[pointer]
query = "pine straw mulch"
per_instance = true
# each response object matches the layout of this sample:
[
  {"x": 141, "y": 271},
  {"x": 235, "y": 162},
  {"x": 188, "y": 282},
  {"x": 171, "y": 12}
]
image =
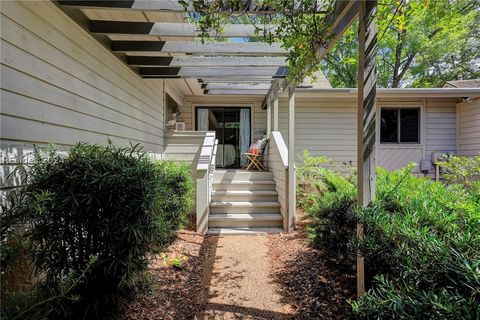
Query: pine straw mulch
[
  {"x": 307, "y": 278},
  {"x": 176, "y": 293}
]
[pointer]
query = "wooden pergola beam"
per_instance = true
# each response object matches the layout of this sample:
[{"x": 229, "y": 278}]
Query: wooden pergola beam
[
  {"x": 236, "y": 92},
  {"x": 201, "y": 72},
  {"x": 237, "y": 86},
  {"x": 188, "y": 61},
  {"x": 169, "y": 6},
  {"x": 168, "y": 29},
  {"x": 366, "y": 121},
  {"x": 195, "y": 47}
]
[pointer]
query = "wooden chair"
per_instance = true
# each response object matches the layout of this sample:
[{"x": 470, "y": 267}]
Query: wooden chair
[{"x": 255, "y": 160}]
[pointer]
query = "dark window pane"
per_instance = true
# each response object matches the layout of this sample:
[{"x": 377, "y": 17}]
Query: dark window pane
[
  {"x": 388, "y": 125},
  {"x": 409, "y": 125}
]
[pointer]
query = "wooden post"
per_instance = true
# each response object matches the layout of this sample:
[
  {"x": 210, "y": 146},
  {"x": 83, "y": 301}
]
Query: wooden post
[
  {"x": 291, "y": 158},
  {"x": 275, "y": 113},
  {"x": 269, "y": 116},
  {"x": 367, "y": 77}
]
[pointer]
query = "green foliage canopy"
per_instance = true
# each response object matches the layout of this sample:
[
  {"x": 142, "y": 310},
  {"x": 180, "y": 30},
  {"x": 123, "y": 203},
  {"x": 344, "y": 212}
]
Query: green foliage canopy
[
  {"x": 421, "y": 43},
  {"x": 301, "y": 26}
]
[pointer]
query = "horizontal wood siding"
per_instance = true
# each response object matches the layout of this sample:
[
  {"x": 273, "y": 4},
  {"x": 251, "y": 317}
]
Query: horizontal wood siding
[
  {"x": 327, "y": 127},
  {"x": 323, "y": 127},
  {"x": 441, "y": 133},
  {"x": 468, "y": 119},
  {"x": 59, "y": 85}
]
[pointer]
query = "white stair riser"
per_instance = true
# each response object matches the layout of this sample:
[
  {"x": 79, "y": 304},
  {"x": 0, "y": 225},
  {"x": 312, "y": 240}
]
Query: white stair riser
[
  {"x": 244, "y": 231},
  {"x": 182, "y": 148},
  {"x": 241, "y": 176},
  {"x": 179, "y": 156},
  {"x": 251, "y": 210},
  {"x": 231, "y": 223},
  {"x": 182, "y": 140},
  {"x": 243, "y": 187},
  {"x": 229, "y": 198}
]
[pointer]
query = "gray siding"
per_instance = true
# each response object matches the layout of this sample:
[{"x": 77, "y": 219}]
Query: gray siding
[
  {"x": 327, "y": 127},
  {"x": 59, "y": 85},
  {"x": 468, "y": 120}
]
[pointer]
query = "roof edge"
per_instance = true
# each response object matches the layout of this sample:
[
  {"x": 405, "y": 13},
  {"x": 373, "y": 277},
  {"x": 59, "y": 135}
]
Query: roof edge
[{"x": 393, "y": 92}]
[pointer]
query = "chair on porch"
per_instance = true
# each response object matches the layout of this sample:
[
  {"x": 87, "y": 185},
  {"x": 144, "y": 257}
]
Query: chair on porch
[{"x": 254, "y": 155}]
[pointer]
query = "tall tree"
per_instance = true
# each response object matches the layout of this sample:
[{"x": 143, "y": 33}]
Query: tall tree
[{"x": 421, "y": 44}]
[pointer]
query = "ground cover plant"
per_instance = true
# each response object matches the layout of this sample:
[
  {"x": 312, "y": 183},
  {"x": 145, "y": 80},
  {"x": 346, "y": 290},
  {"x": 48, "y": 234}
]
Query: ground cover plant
[
  {"x": 421, "y": 244},
  {"x": 91, "y": 219}
]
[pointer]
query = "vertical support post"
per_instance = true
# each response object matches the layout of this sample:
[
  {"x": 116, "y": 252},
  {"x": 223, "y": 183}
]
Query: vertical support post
[
  {"x": 275, "y": 113},
  {"x": 291, "y": 158},
  {"x": 203, "y": 204},
  {"x": 367, "y": 77},
  {"x": 269, "y": 116}
]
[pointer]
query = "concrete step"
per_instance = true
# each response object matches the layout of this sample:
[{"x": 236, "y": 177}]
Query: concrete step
[
  {"x": 244, "y": 207},
  {"x": 189, "y": 157},
  {"x": 244, "y": 195},
  {"x": 185, "y": 140},
  {"x": 240, "y": 175},
  {"x": 257, "y": 185},
  {"x": 182, "y": 148},
  {"x": 239, "y": 220},
  {"x": 243, "y": 231}
]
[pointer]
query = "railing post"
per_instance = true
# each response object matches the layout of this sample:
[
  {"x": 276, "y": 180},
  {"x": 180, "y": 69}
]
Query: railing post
[
  {"x": 269, "y": 117},
  {"x": 204, "y": 176},
  {"x": 202, "y": 200},
  {"x": 291, "y": 158},
  {"x": 275, "y": 114}
]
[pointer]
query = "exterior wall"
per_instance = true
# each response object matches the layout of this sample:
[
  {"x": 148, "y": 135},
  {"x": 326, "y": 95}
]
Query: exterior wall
[
  {"x": 259, "y": 116},
  {"x": 468, "y": 124},
  {"x": 328, "y": 127},
  {"x": 59, "y": 85}
]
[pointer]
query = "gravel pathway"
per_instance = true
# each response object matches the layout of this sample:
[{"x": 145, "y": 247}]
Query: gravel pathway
[{"x": 240, "y": 286}]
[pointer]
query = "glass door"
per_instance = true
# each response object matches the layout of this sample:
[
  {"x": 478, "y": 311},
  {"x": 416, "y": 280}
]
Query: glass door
[{"x": 232, "y": 129}]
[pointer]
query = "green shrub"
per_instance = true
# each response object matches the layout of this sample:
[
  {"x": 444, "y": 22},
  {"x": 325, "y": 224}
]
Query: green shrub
[
  {"x": 422, "y": 245},
  {"x": 421, "y": 242},
  {"x": 174, "y": 197},
  {"x": 463, "y": 171},
  {"x": 333, "y": 215},
  {"x": 108, "y": 205},
  {"x": 310, "y": 175}
]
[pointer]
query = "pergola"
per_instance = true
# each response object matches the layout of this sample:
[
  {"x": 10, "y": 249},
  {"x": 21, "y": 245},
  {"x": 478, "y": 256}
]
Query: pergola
[{"x": 169, "y": 50}]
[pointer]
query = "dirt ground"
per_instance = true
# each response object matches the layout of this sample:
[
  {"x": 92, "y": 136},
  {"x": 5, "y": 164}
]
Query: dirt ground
[{"x": 274, "y": 276}]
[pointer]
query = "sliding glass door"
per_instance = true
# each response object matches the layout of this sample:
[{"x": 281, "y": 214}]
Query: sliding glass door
[{"x": 232, "y": 128}]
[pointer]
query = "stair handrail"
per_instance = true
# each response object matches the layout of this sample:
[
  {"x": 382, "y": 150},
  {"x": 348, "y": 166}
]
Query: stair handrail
[{"x": 205, "y": 169}]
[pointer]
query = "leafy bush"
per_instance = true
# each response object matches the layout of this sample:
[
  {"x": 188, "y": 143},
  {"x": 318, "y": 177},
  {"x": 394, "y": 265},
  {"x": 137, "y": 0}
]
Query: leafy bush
[
  {"x": 422, "y": 246},
  {"x": 421, "y": 243},
  {"x": 174, "y": 197},
  {"x": 108, "y": 205},
  {"x": 310, "y": 176},
  {"x": 464, "y": 171},
  {"x": 333, "y": 214}
]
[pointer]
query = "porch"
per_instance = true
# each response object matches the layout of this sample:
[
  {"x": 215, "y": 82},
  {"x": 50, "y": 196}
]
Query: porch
[{"x": 234, "y": 201}]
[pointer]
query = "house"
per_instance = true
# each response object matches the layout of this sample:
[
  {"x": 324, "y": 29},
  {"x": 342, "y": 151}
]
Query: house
[{"x": 62, "y": 84}]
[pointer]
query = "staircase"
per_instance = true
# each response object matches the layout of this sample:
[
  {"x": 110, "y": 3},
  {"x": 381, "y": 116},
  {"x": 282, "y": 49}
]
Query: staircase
[{"x": 244, "y": 203}]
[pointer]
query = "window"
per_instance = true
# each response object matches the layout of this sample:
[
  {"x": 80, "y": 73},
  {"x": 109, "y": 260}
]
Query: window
[{"x": 400, "y": 125}]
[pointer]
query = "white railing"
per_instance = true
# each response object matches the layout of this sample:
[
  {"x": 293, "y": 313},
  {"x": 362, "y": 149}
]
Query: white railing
[
  {"x": 277, "y": 159},
  {"x": 204, "y": 178}
]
